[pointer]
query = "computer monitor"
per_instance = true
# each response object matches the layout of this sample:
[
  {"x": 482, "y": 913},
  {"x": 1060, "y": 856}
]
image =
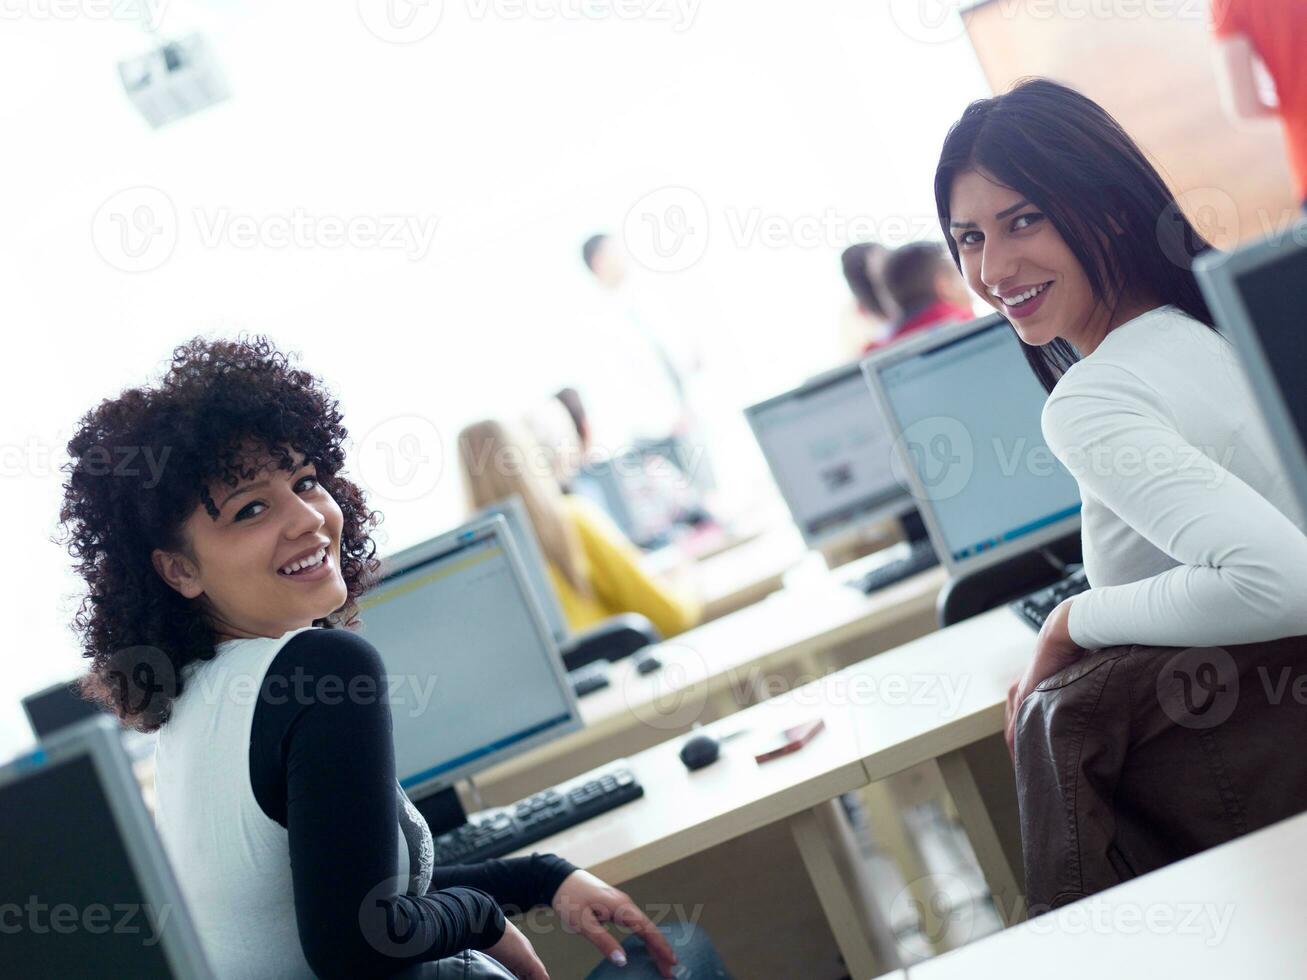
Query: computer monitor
[
  {"x": 56, "y": 707},
  {"x": 645, "y": 493},
  {"x": 475, "y": 675},
  {"x": 964, "y": 408},
  {"x": 513, "y": 510},
  {"x": 1257, "y": 295},
  {"x": 830, "y": 452},
  {"x": 85, "y": 887}
]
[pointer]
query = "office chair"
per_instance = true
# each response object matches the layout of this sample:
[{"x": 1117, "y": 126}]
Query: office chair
[{"x": 613, "y": 639}]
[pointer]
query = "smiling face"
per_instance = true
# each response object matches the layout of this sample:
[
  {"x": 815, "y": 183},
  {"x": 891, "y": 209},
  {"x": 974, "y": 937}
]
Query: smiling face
[
  {"x": 270, "y": 561},
  {"x": 1013, "y": 258}
]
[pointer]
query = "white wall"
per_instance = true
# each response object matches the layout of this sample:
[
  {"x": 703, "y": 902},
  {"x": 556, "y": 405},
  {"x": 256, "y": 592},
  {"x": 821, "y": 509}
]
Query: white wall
[{"x": 519, "y": 135}]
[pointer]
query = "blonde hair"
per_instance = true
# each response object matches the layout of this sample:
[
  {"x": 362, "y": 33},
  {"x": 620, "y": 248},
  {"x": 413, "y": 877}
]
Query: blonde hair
[{"x": 499, "y": 460}]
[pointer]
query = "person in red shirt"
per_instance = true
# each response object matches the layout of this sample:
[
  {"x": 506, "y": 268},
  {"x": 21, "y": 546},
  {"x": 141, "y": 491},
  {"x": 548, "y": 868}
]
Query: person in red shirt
[
  {"x": 1273, "y": 32},
  {"x": 925, "y": 289}
]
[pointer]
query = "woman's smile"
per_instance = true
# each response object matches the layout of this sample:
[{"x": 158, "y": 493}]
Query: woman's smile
[
  {"x": 1024, "y": 301},
  {"x": 309, "y": 566}
]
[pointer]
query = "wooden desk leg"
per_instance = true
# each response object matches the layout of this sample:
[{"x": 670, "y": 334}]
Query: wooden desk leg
[
  {"x": 981, "y": 781},
  {"x": 893, "y": 834},
  {"x": 830, "y": 854}
]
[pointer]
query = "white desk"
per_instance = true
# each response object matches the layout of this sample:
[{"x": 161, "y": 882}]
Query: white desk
[
  {"x": 736, "y": 578},
  {"x": 1234, "y": 911},
  {"x": 931, "y": 699},
  {"x": 720, "y": 667}
]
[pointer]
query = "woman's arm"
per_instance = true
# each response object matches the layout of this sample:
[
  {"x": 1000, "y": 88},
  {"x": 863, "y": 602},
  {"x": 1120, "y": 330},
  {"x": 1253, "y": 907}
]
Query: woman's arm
[
  {"x": 516, "y": 884},
  {"x": 322, "y": 765},
  {"x": 1242, "y": 573}
]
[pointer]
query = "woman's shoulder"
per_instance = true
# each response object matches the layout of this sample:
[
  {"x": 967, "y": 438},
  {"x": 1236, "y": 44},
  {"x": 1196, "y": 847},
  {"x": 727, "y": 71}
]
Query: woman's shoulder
[
  {"x": 586, "y": 514},
  {"x": 321, "y": 651},
  {"x": 1160, "y": 365},
  {"x": 1146, "y": 356}
]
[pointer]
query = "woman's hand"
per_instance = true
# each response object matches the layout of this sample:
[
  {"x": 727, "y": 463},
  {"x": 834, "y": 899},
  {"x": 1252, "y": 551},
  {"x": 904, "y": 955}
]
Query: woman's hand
[
  {"x": 516, "y": 954},
  {"x": 584, "y": 904},
  {"x": 1054, "y": 651}
]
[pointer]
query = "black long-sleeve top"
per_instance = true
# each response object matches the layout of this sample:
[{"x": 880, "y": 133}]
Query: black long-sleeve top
[{"x": 322, "y": 766}]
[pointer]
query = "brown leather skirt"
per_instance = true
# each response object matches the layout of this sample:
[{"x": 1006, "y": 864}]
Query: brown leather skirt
[{"x": 1140, "y": 756}]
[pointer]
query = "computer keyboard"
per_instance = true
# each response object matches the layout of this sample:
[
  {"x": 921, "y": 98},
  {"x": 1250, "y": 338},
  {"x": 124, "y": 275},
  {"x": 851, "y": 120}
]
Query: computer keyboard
[
  {"x": 590, "y": 678},
  {"x": 1034, "y": 608},
  {"x": 497, "y": 832},
  {"x": 921, "y": 557}
]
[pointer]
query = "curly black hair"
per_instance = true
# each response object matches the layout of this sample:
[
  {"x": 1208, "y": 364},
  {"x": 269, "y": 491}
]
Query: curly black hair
[{"x": 139, "y": 466}]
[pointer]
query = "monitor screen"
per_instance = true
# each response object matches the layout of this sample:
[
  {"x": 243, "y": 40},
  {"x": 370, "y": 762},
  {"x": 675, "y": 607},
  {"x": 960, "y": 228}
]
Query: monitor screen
[
  {"x": 71, "y": 904},
  {"x": 830, "y": 452},
  {"x": 644, "y": 493},
  {"x": 57, "y": 707},
  {"x": 968, "y": 408},
  {"x": 474, "y": 676},
  {"x": 533, "y": 561},
  {"x": 1273, "y": 292}
]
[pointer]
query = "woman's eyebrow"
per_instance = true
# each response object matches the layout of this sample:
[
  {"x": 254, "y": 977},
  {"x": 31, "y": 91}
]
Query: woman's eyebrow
[
  {"x": 1012, "y": 210},
  {"x": 249, "y": 488},
  {"x": 998, "y": 217},
  {"x": 260, "y": 484}
]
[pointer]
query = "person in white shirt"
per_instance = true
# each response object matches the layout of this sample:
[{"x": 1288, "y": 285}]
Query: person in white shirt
[{"x": 1191, "y": 537}]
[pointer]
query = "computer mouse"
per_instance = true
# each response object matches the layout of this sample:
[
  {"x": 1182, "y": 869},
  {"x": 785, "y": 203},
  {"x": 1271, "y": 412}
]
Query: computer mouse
[
  {"x": 700, "y": 751},
  {"x": 647, "y": 663}
]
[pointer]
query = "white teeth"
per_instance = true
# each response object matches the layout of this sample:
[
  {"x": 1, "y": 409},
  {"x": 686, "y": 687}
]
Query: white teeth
[
  {"x": 308, "y": 562},
  {"x": 1028, "y": 295}
]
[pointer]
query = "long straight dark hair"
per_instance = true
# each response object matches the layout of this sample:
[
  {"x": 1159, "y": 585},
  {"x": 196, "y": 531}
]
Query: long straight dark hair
[{"x": 1066, "y": 156}]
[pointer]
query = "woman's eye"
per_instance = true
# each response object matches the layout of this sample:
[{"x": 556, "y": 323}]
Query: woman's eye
[
  {"x": 248, "y": 510},
  {"x": 1026, "y": 220},
  {"x": 970, "y": 238},
  {"x": 303, "y": 485}
]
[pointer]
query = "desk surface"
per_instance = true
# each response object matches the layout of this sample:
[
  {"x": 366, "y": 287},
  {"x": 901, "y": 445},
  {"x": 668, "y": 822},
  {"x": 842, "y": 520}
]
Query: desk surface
[
  {"x": 1233, "y": 911},
  {"x": 933, "y": 695},
  {"x": 740, "y": 576},
  {"x": 736, "y": 650}
]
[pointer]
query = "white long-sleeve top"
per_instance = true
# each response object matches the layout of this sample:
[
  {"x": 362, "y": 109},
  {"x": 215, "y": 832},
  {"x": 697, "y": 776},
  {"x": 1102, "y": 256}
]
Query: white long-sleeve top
[{"x": 1191, "y": 535}]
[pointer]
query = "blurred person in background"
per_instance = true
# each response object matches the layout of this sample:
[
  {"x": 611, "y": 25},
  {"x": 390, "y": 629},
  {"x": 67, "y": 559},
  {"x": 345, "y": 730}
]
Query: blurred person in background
[
  {"x": 642, "y": 391},
  {"x": 921, "y": 281},
  {"x": 1269, "y": 36},
  {"x": 867, "y": 322},
  {"x": 570, "y": 399},
  {"x": 594, "y": 568}
]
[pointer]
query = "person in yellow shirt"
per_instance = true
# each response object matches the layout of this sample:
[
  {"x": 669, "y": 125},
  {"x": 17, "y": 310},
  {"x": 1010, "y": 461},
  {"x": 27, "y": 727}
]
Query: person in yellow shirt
[{"x": 594, "y": 569}]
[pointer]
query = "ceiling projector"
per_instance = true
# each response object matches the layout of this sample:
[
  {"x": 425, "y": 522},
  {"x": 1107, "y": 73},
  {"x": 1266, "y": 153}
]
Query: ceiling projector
[{"x": 175, "y": 79}]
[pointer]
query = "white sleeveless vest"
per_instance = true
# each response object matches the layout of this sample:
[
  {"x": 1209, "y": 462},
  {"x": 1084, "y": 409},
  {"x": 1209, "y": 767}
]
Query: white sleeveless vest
[{"x": 231, "y": 860}]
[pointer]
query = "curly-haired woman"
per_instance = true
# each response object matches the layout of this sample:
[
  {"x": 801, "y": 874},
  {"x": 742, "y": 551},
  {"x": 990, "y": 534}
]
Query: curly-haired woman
[{"x": 216, "y": 582}]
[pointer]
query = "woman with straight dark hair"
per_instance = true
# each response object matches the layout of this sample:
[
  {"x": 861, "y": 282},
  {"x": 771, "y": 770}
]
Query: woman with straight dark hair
[{"x": 1191, "y": 537}]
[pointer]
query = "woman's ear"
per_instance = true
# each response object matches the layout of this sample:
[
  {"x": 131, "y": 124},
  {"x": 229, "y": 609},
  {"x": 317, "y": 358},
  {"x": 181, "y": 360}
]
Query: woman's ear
[{"x": 178, "y": 571}]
